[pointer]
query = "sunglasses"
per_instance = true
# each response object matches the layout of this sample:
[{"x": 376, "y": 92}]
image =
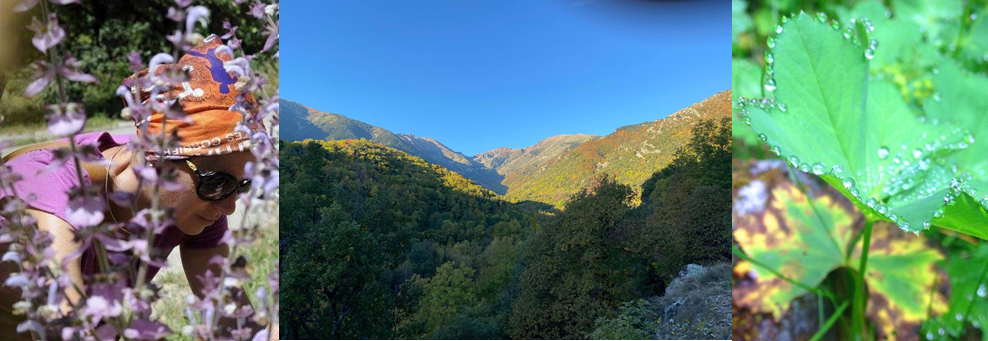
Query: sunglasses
[{"x": 216, "y": 186}]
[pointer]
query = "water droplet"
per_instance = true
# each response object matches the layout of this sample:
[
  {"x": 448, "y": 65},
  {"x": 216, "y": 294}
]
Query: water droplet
[
  {"x": 770, "y": 42},
  {"x": 926, "y": 225},
  {"x": 936, "y": 96},
  {"x": 936, "y": 71},
  {"x": 854, "y": 193},
  {"x": 763, "y": 137},
  {"x": 837, "y": 171},
  {"x": 747, "y": 120},
  {"x": 847, "y": 182},
  {"x": 769, "y": 58},
  {"x": 929, "y": 335},
  {"x": 883, "y": 153},
  {"x": 970, "y": 138},
  {"x": 818, "y": 169},
  {"x": 778, "y": 29},
  {"x": 770, "y": 85},
  {"x": 984, "y": 203},
  {"x": 869, "y": 53},
  {"x": 948, "y": 199},
  {"x": 940, "y": 331},
  {"x": 794, "y": 160},
  {"x": 804, "y": 167},
  {"x": 847, "y": 33},
  {"x": 783, "y": 108},
  {"x": 835, "y": 25},
  {"x": 974, "y": 16},
  {"x": 873, "y": 44},
  {"x": 959, "y": 317},
  {"x": 871, "y": 202},
  {"x": 917, "y": 153},
  {"x": 896, "y": 160},
  {"x": 882, "y": 209},
  {"x": 775, "y": 149},
  {"x": 982, "y": 291},
  {"x": 888, "y": 13},
  {"x": 822, "y": 17},
  {"x": 938, "y": 213},
  {"x": 785, "y": 19}
]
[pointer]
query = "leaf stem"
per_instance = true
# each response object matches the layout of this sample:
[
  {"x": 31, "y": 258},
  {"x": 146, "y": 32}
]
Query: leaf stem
[
  {"x": 830, "y": 322},
  {"x": 859, "y": 291}
]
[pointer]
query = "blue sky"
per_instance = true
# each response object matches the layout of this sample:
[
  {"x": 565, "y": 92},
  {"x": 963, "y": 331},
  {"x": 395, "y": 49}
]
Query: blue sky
[{"x": 477, "y": 75}]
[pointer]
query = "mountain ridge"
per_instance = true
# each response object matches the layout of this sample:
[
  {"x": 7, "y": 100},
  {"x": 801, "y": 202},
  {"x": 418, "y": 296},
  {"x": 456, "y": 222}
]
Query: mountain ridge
[{"x": 550, "y": 170}]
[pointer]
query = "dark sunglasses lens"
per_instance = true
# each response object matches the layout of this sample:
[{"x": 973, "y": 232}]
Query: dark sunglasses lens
[
  {"x": 217, "y": 186},
  {"x": 244, "y": 186}
]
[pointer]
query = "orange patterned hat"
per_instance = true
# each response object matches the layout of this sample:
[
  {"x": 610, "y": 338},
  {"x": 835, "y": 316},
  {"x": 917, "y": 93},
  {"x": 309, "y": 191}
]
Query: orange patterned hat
[{"x": 206, "y": 98}]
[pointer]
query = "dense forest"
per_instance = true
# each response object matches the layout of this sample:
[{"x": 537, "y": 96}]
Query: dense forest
[{"x": 376, "y": 243}]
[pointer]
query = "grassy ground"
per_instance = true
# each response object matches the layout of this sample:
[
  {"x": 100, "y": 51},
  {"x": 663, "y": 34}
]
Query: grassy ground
[{"x": 261, "y": 255}]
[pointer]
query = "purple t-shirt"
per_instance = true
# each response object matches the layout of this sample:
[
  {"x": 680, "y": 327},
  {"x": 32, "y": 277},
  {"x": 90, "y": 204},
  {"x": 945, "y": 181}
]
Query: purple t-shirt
[{"x": 51, "y": 190}]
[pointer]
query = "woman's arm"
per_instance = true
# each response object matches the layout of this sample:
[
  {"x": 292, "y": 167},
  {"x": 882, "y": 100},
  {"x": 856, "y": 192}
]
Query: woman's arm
[
  {"x": 64, "y": 244},
  {"x": 196, "y": 263}
]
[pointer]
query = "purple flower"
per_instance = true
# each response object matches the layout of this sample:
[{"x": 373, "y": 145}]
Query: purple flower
[
  {"x": 146, "y": 330},
  {"x": 134, "y": 59},
  {"x": 17, "y": 280},
  {"x": 98, "y": 308},
  {"x": 70, "y": 71},
  {"x": 194, "y": 15},
  {"x": 272, "y": 33},
  {"x": 43, "y": 75},
  {"x": 65, "y": 120},
  {"x": 25, "y": 5},
  {"x": 183, "y": 3},
  {"x": 64, "y": 2},
  {"x": 230, "y": 30},
  {"x": 84, "y": 209},
  {"x": 46, "y": 35},
  {"x": 233, "y": 43},
  {"x": 257, "y": 9}
]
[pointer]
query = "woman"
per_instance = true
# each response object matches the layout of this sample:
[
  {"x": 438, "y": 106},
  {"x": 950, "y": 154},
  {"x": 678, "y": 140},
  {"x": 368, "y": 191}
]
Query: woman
[{"x": 209, "y": 160}]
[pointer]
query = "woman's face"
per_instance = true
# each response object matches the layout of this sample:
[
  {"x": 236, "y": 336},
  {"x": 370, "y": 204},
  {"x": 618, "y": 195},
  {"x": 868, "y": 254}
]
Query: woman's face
[{"x": 193, "y": 214}]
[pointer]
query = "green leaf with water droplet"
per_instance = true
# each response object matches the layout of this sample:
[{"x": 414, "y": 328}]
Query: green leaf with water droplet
[
  {"x": 806, "y": 238},
  {"x": 974, "y": 47},
  {"x": 897, "y": 38},
  {"x": 963, "y": 101},
  {"x": 745, "y": 82},
  {"x": 838, "y": 117},
  {"x": 968, "y": 294}
]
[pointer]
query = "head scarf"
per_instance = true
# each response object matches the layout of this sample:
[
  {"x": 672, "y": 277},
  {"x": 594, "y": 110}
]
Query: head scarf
[{"x": 206, "y": 98}]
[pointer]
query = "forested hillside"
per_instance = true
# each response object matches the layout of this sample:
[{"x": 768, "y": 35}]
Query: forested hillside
[
  {"x": 300, "y": 123},
  {"x": 376, "y": 243},
  {"x": 630, "y": 155}
]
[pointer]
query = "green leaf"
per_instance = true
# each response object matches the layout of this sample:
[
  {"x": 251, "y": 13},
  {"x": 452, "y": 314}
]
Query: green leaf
[
  {"x": 896, "y": 37},
  {"x": 975, "y": 45},
  {"x": 746, "y": 81},
  {"x": 806, "y": 238},
  {"x": 968, "y": 289},
  {"x": 937, "y": 17},
  {"x": 962, "y": 100},
  {"x": 858, "y": 135}
]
